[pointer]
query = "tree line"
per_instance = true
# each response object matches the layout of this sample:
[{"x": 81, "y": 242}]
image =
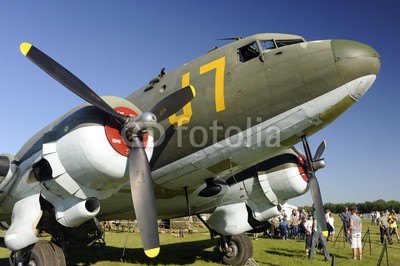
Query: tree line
[{"x": 364, "y": 207}]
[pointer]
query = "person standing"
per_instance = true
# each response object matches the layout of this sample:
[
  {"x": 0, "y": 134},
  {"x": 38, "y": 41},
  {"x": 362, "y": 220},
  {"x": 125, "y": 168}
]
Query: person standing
[
  {"x": 331, "y": 226},
  {"x": 392, "y": 219},
  {"x": 308, "y": 228},
  {"x": 373, "y": 218},
  {"x": 327, "y": 212},
  {"x": 377, "y": 217},
  {"x": 318, "y": 238},
  {"x": 355, "y": 233},
  {"x": 346, "y": 222},
  {"x": 294, "y": 222},
  {"x": 384, "y": 228},
  {"x": 284, "y": 228}
]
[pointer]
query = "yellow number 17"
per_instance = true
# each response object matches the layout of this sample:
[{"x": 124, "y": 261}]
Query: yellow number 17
[{"x": 219, "y": 66}]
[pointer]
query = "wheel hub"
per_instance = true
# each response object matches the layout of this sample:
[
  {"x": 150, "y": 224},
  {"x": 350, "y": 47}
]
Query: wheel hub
[{"x": 232, "y": 250}]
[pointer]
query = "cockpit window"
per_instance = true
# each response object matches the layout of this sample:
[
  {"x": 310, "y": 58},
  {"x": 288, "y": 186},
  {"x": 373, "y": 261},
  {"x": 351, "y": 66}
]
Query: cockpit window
[
  {"x": 248, "y": 52},
  {"x": 267, "y": 44},
  {"x": 281, "y": 43}
]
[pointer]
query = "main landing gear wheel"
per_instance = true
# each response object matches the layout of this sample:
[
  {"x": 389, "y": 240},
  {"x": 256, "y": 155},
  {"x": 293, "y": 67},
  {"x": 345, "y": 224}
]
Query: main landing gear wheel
[
  {"x": 46, "y": 253},
  {"x": 236, "y": 250}
]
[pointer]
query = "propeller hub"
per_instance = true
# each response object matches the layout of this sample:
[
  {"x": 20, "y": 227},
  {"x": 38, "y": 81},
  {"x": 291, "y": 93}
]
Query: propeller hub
[
  {"x": 117, "y": 137},
  {"x": 319, "y": 164},
  {"x": 144, "y": 121}
]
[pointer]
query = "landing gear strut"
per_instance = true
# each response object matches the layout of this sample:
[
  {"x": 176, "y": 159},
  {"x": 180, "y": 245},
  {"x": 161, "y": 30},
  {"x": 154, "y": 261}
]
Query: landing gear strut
[{"x": 236, "y": 250}]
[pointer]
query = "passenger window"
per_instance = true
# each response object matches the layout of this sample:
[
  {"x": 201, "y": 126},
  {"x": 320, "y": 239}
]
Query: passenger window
[
  {"x": 268, "y": 44},
  {"x": 248, "y": 52}
]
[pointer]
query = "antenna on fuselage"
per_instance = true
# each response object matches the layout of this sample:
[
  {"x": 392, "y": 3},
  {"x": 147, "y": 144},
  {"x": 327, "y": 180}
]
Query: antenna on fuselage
[
  {"x": 230, "y": 39},
  {"x": 225, "y": 39}
]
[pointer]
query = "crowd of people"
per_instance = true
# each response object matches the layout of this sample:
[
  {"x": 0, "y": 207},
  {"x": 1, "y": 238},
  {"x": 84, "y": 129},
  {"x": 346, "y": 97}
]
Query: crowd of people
[
  {"x": 296, "y": 225},
  {"x": 305, "y": 225}
]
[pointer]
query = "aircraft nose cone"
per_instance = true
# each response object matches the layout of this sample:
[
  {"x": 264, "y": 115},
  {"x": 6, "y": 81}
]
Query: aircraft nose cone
[
  {"x": 357, "y": 63},
  {"x": 346, "y": 49}
]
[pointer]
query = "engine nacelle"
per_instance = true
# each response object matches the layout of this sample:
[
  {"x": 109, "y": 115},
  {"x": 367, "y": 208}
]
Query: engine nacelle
[
  {"x": 275, "y": 185},
  {"x": 262, "y": 190},
  {"x": 74, "y": 212},
  {"x": 230, "y": 219},
  {"x": 86, "y": 153}
]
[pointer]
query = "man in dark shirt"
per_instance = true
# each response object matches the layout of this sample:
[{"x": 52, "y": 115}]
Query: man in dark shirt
[{"x": 346, "y": 222}]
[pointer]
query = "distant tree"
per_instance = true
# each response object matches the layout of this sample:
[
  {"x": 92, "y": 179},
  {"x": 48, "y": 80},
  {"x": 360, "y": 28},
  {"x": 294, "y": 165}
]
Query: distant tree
[
  {"x": 393, "y": 205},
  {"x": 361, "y": 207},
  {"x": 369, "y": 206},
  {"x": 380, "y": 205},
  {"x": 364, "y": 207}
]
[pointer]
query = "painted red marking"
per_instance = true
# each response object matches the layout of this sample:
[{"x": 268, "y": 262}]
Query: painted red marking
[
  {"x": 301, "y": 169},
  {"x": 113, "y": 132}
]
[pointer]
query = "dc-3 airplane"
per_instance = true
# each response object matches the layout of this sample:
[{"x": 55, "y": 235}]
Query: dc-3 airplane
[{"x": 214, "y": 136}]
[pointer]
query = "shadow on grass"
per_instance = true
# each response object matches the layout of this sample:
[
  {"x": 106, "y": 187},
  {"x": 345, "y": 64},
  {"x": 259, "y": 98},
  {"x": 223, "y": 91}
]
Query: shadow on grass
[
  {"x": 287, "y": 252},
  {"x": 177, "y": 254},
  {"x": 3, "y": 261}
]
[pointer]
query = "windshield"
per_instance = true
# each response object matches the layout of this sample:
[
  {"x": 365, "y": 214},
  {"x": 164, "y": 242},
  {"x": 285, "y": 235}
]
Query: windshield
[
  {"x": 271, "y": 44},
  {"x": 281, "y": 43},
  {"x": 267, "y": 44}
]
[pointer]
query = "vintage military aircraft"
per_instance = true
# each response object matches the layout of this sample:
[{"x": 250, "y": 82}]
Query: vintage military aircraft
[{"x": 213, "y": 136}]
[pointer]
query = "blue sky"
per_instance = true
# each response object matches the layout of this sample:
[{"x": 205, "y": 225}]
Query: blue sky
[{"x": 116, "y": 47}]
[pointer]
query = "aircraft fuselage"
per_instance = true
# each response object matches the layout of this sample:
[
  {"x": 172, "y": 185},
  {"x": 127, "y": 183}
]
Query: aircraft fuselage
[{"x": 254, "y": 98}]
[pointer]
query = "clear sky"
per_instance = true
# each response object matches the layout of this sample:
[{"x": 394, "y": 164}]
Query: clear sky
[{"x": 116, "y": 47}]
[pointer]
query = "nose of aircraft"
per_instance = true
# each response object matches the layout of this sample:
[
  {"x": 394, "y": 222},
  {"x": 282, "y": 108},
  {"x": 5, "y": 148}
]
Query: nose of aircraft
[
  {"x": 356, "y": 61},
  {"x": 345, "y": 49}
]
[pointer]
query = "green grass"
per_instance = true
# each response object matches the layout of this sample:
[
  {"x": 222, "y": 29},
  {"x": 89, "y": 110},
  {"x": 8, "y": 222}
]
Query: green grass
[{"x": 198, "y": 249}]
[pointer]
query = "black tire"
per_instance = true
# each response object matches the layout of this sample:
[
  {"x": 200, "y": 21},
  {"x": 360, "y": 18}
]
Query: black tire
[
  {"x": 46, "y": 253},
  {"x": 241, "y": 249}
]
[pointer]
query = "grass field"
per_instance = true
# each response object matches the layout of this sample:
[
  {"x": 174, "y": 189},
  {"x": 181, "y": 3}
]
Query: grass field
[{"x": 198, "y": 249}]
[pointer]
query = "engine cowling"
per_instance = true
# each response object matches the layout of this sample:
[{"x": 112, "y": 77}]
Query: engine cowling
[
  {"x": 87, "y": 160},
  {"x": 261, "y": 191},
  {"x": 280, "y": 179}
]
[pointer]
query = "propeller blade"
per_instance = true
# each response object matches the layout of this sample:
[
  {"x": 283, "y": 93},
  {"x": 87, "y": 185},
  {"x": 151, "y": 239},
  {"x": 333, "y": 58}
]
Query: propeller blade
[
  {"x": 318, "y": 204},
  {"x": 161, "y": 144},
  {"x": 173, "y": 103},
  {"x": 143, "y": 198},
  {"x": 320, "y": 151},
  {"x": 314, "y": 186},
  {"x": 66, "y": 78}
]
